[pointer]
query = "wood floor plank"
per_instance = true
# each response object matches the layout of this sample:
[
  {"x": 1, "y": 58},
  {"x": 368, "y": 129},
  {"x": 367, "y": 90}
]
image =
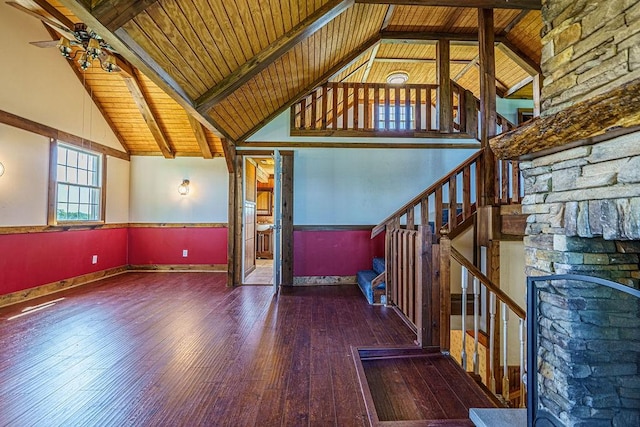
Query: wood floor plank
[{"x": 183, "y": 349}]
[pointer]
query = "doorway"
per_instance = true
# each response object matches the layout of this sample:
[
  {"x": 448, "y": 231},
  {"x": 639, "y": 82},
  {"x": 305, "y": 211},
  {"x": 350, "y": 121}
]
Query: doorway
[
  {"x": 259, "y": 220},
  {"x": 243, "y": 222}
]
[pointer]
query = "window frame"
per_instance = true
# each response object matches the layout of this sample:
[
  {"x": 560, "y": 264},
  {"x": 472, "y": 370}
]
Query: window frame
[
  {"x": 404, "y": 125},
  {"x": 52, "y": 217}
]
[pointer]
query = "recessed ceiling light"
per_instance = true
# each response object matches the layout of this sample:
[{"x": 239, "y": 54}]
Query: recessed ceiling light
[{"x": 397, "y": 78}]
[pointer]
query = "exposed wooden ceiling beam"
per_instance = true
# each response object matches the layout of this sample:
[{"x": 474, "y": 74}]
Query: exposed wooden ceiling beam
[
  {"x": 372, "y": 58},
  {"x": 466, "y": 69},
  {"x": 55, "y": 13},
  {"x": 426, "y": 36},
  {"x": 385, "y": 23},
  {"x": 345, "y": 62},
  {"x": 274, "y": 51},
  {"x": 198, "y": 131},
  {"x": 387, "y": 17},
  {"x": 394, "y": 145},
  {"x": 96, "y": 102},
  {"x": 141, "y": 60},
  {"x": 229, "y": 155},
  {"x": 515, "y": 21},
  {"x": 517, "y": 56},
  {"x": 115, "y": 13},
  {"x": 516, "y": 87},
  {"x": 133, "y": 84},
  {"x": 421, "y": 60},
  {"x": 486, "y": 4}
]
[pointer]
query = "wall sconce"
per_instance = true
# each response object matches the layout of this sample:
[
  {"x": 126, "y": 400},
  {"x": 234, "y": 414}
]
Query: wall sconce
[
  {"x": 1, "y": 169},
  {"x": 183, "y": 188}
]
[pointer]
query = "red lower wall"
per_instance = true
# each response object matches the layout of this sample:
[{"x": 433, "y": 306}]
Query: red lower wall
[
  {"x": 334, "y": 252},
  {"x": 30, "y": 260},
  {"x": 35, "y": 259},
  {"x": 164, "y": 245}
]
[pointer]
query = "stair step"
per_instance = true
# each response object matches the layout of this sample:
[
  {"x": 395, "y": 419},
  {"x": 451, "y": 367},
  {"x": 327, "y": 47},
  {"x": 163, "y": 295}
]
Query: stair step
[
  {"x": 364, "y": 278},
  {"x": 378, "y": 265}
]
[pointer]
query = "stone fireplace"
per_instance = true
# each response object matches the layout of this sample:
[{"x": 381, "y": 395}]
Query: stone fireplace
[
  {"x": 584, "y": 218},
  {"x": 582, "y": 195}
]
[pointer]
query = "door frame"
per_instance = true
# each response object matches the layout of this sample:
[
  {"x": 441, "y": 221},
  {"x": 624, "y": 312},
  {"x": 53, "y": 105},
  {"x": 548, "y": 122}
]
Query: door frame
[{"x": 236, "y": 203}]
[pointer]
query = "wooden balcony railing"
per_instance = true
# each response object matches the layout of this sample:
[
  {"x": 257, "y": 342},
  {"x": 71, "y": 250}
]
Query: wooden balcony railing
[{"x": 351, "y": 109}]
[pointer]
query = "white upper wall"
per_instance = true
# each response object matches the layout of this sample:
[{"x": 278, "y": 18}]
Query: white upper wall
[
  {"x": 38, "y": 84},
  {"x": 154, "y": 190},
  {"x": 363, "y": 186}
]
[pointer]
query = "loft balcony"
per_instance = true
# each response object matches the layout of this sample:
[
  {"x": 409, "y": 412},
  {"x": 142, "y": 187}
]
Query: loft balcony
[{"x": 384, "y": 110}]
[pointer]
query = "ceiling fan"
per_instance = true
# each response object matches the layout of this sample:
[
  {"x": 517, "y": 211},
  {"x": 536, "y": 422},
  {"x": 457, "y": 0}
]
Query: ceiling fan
[{"x": 89, "y": 46}]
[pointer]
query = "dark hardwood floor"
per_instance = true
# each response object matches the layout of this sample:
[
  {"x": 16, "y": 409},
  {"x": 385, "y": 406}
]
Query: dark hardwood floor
[
  {"x": 168, "y": 349},
  {"x": 181, "y": 349}
]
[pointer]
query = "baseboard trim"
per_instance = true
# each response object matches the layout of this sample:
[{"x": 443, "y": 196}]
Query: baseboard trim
[
  {"x": 179, "y": 267},
  {"x": 61, "y": 285},
  {"x": 323, "y": 280}
]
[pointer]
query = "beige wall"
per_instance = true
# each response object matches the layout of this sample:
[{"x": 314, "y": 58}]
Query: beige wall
[
  {"x": 154, "y": 190},
  {"x": 39, "y": 85}
]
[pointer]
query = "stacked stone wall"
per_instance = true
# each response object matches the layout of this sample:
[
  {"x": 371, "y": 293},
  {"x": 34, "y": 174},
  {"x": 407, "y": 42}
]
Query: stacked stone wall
[{"x": 588, "y": 48}]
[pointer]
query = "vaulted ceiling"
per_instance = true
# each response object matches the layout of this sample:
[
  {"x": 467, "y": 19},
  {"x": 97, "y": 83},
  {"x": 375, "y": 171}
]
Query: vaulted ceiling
[{"x": 200, "y": 75}]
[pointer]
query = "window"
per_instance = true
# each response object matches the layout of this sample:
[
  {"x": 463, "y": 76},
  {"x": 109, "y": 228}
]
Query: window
[
  {"x": 78, "y": 185},
  {"x": 392, "y": 117}
]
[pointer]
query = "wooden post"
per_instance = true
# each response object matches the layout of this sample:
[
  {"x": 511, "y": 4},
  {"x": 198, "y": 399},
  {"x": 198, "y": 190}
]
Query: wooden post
[
  {"x": 287, "y": 220},
  {"x": 444, "y": 107},
  {"x": 471, "y": 114},
  {"x": 493, "y": 269},
  {"x": 486, "y": 39},
  {"x": 445, "y": 291},
  {"x": 237, "y": 216},
  {"x": 424, "y": 267},
  {"x": 537, "y": 91}
]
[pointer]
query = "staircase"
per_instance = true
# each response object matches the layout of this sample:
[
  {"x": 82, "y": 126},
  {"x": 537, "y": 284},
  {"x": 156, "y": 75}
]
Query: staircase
[{"x": 371, "y": 282}]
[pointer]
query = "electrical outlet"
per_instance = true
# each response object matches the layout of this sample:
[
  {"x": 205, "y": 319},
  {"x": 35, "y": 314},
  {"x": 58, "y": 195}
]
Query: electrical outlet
[
  {"x": 94, "y": 259},
  {"x": 185, "y": 253}
]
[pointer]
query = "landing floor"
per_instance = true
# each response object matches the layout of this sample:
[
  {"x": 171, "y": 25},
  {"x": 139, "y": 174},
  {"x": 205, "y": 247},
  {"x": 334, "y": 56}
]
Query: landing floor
[{"x": 172, "y": 349}]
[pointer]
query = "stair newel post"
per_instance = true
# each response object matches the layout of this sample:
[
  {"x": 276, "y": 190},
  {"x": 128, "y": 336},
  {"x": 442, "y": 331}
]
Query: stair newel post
[
  {"x": 505, "y": 351},
  {"x": 492, "y": 340},
  {"x": 445, "y": 290},
  {"x": 463, "y": 283},
  {"x": 423, "y": 274},
  {"x": 388, "y": 262},
  {"x": 476, "y": 324}
]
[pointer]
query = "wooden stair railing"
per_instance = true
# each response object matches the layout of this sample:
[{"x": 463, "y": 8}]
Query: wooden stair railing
[
  {"x": 499, "y": 342},
  {"x": 438, "y": 204}
]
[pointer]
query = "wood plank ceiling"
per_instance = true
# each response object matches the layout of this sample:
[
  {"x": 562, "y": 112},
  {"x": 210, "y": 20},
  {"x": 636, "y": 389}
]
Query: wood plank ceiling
[{"x": 235, "y": 65}]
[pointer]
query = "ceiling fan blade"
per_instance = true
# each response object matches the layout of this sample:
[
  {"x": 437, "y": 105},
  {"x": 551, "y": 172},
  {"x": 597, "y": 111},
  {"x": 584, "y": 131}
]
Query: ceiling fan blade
[
  {"x": 65, "y": 32},
  {"x": 46, "y": 43}
]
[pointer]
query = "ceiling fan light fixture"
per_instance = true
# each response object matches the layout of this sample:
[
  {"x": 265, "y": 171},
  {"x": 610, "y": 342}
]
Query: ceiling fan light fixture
[
  {"x": 398, "y": 78},
  {"x": 109, "y": 64},
  {"x": 93, "y": 48},
  {"x": 84, "y": 62},
  {"x": 64, "y": 47}
]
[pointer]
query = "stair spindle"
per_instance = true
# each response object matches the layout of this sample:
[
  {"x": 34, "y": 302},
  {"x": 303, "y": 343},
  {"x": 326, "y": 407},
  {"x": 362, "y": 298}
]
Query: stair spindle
[
  {"x": 505, "y": 353},
  {"x": 492, "y": 340},
  {"x": 476, "y": 326},
  {"x": 463, "y": 353}
]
